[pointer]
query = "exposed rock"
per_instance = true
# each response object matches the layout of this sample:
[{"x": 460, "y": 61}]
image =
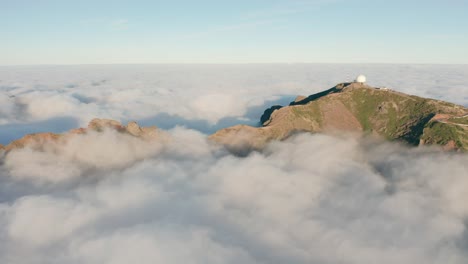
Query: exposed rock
[
  {"x": 144, "y": 132},
  {"x": 241, "y": 139},
  {"x": 40, "y": 140},
  {"x": 100, "y": 124},
  {"x": 78, "y": 131},
  {"x": 451, "y": 145},
  {"x": 267, "y": 114},
  {"x": 150, "y": 132},
  {"x": 35, "y": 141},
  {"x": 134, "y": 129}
]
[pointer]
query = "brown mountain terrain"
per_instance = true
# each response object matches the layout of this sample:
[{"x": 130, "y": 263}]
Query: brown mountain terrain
[
  {"x": 357, "y": 108},
  {"x": 40, "y": 140},
  {"x": 345, "y": 108}
]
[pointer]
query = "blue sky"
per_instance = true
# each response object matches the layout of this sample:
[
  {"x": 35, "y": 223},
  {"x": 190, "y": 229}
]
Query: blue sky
[{"x": 255, "y": 31}]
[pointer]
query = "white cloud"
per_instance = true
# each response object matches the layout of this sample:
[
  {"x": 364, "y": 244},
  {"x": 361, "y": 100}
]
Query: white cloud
[
  {"x": 38, "y": 220},
  {"x": 8, "y": 109},
  {"x": 202, "y": 93},
  {"x": 78, "y": 154},
  {"x": 112, "y": 198},
  {"x": 48, "y": 104},
  {"x": 217, "y": 106},
  {"x": 313, "y": 198}
]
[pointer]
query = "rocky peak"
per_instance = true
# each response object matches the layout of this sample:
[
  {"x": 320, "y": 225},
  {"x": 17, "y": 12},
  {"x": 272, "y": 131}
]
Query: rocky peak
[
  {"x": 40, "y": 140},
  {"x": 360, "y": 108},
  {"x": 134, "y": 129},
  {"x": 98, "y": 124}
]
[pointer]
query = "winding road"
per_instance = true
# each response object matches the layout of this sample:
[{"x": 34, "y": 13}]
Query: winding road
[{"x": 444, "y": 120}]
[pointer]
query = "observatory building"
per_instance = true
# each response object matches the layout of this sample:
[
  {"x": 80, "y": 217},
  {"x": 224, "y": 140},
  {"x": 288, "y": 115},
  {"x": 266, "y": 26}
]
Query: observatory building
[{"x": 360, "y": 79}]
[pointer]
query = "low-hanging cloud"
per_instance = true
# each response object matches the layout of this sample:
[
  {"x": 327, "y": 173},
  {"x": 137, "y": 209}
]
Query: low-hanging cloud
[
  {"x": 78, "y": 154},
  {"x": 182, "y": 199}
]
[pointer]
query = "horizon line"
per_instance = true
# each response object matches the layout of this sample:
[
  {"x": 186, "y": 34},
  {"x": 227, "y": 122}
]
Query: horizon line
[{"x": 227, "y": 63}]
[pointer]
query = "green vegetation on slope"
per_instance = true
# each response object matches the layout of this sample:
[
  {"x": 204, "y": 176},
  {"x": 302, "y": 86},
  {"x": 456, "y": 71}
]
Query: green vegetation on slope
[
  {"x": 442, "y": 133},
  {"x": 391, "y": 114},
  {"x": 366, "y": 107},
  {"x": 462, "y": 121},
  {"x": 310, "y": 111}
]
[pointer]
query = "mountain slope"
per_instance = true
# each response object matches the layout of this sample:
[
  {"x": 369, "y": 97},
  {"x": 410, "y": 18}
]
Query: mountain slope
[
  {"x": 40, "y": 141},
  {"x": 345, "y": 108},
  {"x": 355, "y": 107}
]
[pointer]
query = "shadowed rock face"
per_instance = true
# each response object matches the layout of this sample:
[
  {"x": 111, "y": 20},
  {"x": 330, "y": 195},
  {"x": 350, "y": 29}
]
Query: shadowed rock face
[
  {"x": 41, "y": 140},
  {"x": 358, "y": 108},
  {"x": 267, "y": 113}
]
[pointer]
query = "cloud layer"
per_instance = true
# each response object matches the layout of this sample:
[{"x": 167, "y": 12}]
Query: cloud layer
[
  {"x": 203, "y": 97},
  {"x": 111, "y": 198},
  {"x": 311, "y": 199}
]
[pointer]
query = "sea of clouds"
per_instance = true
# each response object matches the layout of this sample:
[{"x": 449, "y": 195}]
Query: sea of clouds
[
  {"x": 113, "y": 198},
  {"x": 202, "y": 97}
]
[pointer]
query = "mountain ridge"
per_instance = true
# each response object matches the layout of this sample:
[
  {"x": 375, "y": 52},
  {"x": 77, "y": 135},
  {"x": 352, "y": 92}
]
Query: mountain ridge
[
  {"x": 358, "y": 108},
  {"x": 40, "y": 140},
  {"x": 345, "y": 108}
]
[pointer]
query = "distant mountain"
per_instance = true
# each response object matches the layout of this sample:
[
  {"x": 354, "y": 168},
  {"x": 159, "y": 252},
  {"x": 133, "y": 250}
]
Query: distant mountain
[
  {"x": 357, "y": 108},
  {"x": 345, "y": 108},
  {"x": 40, "y": 141}
]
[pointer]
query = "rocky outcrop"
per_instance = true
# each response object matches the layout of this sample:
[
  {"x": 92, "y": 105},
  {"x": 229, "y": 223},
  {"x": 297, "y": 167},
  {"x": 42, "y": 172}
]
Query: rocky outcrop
[
  {"x": 145, "y": 132},
  {"x": 39, "y": 141},
  {"x": 36, "y": 141},
  {"x": 98, "y": 124},
  {"x": 267, "y": 114}
]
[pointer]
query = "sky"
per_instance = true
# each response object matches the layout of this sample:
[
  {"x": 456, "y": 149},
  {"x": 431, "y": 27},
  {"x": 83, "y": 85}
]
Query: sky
[{"x": 254, "y": 31}]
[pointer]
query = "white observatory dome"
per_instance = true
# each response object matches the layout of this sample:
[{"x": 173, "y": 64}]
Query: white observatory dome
[{"x": 360, "y": 79}]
